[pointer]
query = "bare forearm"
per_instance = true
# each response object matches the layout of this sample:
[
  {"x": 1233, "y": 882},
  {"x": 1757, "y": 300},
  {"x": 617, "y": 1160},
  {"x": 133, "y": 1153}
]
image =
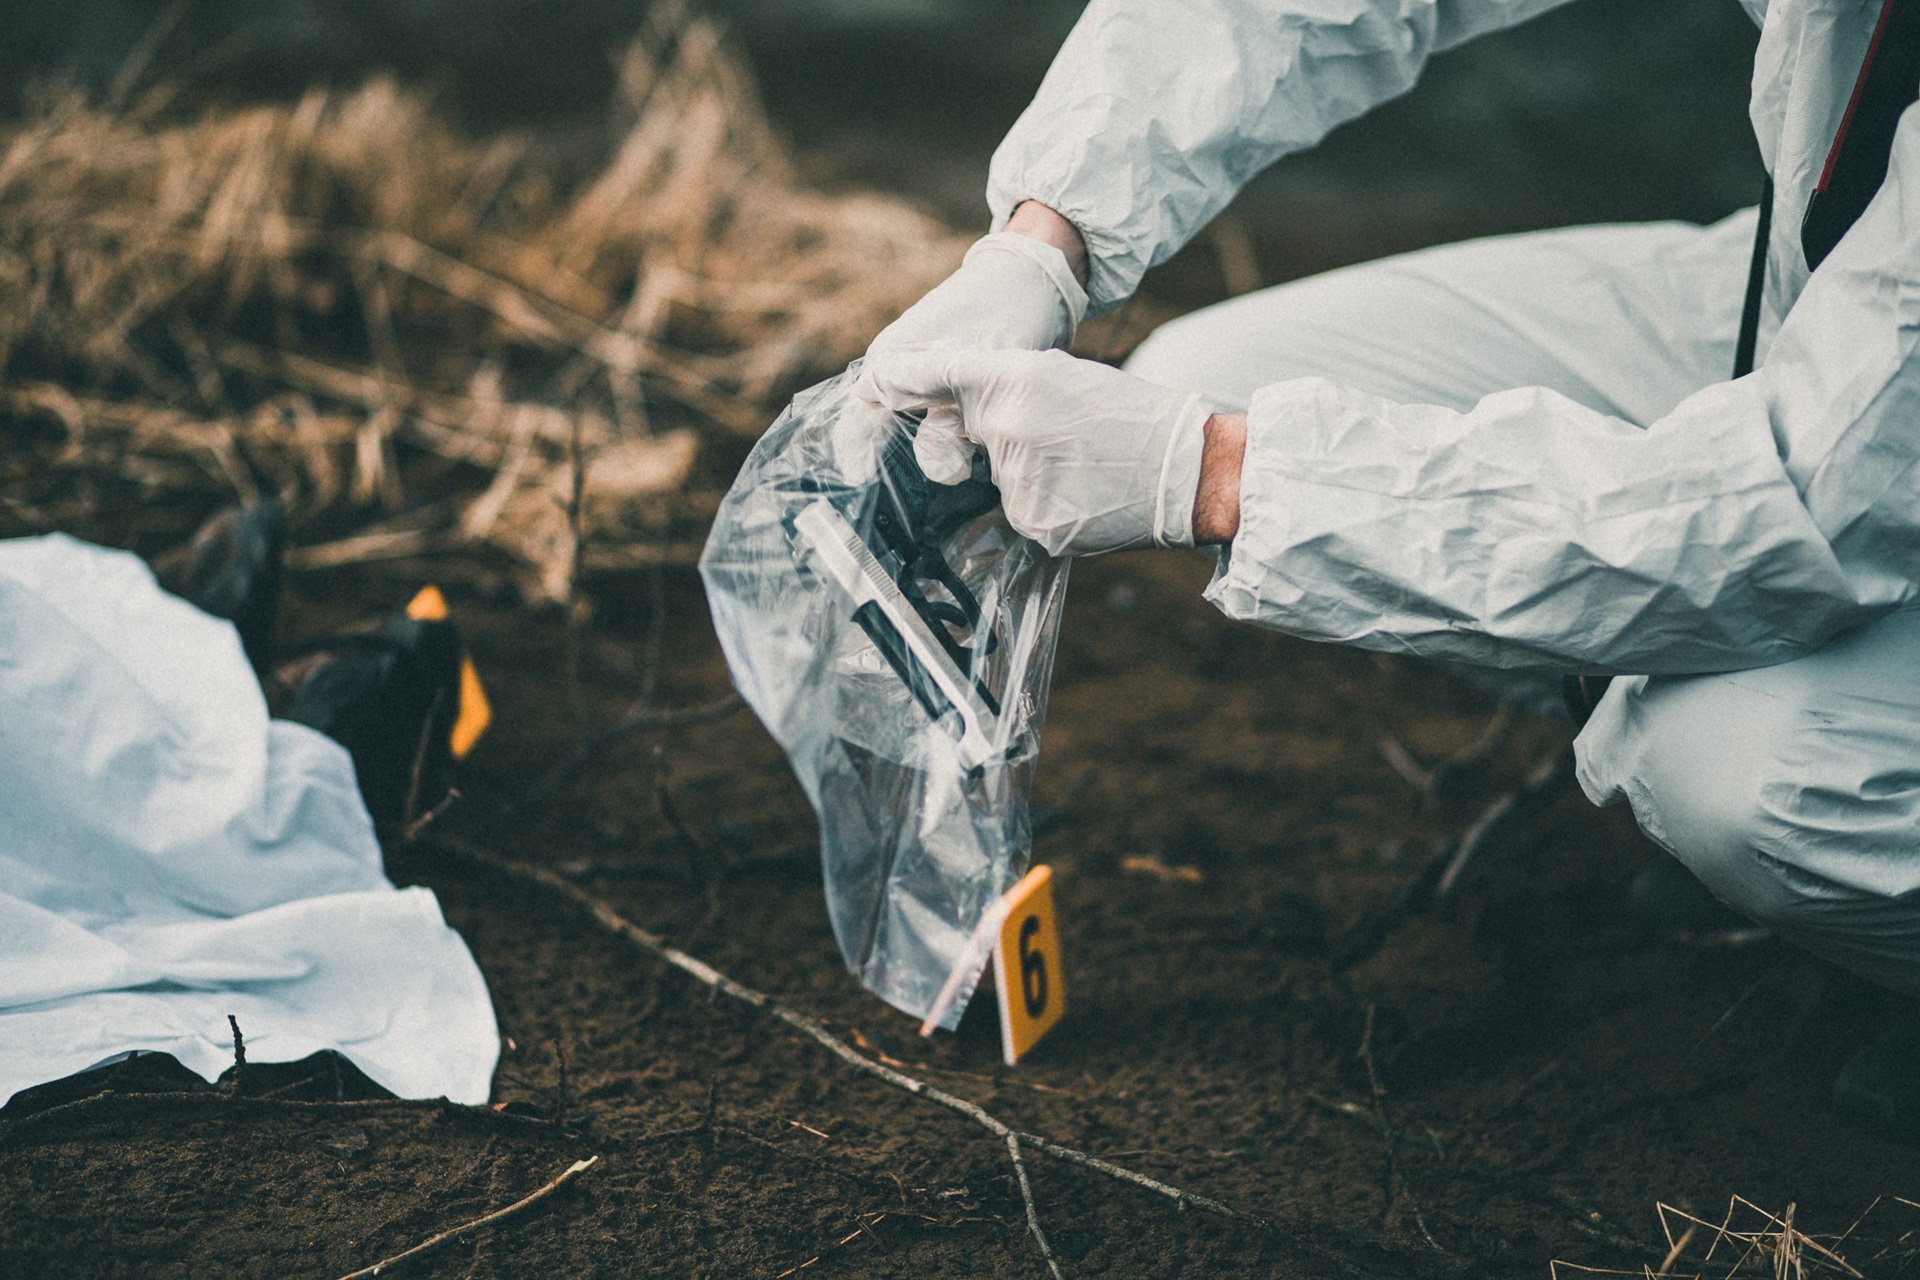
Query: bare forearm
[
  {"x": 1216, "y": 505},
  {"x": 1041, "y": 223}
]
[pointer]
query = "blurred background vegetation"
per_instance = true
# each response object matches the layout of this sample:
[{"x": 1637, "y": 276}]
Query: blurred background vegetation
[{"x": 1600, "y": 110}]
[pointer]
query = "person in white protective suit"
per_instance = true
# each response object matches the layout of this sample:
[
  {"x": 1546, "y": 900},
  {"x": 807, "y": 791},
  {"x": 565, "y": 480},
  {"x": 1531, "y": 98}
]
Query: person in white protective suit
[{"x": 1523, "y": 452}]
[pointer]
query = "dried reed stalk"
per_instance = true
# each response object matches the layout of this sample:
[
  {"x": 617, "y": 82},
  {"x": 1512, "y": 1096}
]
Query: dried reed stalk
[
  {"x": 1751, "y": 1241},
  {"x": 347, "y": 300}
]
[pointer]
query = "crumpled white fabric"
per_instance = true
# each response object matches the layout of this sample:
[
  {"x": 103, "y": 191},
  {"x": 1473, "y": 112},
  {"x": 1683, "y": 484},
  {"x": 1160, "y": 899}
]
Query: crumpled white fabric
[
  {"x": 1749, "y": 524},
  {"x": 169, "y": 855}
]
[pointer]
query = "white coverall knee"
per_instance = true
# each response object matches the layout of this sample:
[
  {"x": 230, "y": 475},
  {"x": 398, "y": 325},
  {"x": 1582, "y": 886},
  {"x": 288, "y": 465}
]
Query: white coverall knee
[
  {"x": 1527, "y": 453},
  {"x": 1792, "y": 791}
]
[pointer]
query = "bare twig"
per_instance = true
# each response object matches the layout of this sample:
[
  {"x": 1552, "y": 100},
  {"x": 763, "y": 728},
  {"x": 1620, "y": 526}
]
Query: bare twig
[
  {"x": 362, "y": 548},
  {"x": 1441, "y": 875},
  {"x": 1735, "y": 1007},
  {"x": 289, "y": 1087},
  {"x": 486, "y": 1150},
  {"x": 1396, "y": 1174},
  {"x": 1677, "y": 1248},
  {"x": 1434, "y": 783},
  {"x": 1411, "y": 771},
  {"x": 640, "y": 718},
  {"x": 1033, "y": 1212},
  {"x": 672, "y": 717},
  {"x": 239, "y": 1056},
  {"x": 1589, "y": 1221},
  {"x": 1778, "y": 1244},
  {"x": 410, "y": 816},
  {"x": 720, "y": 984},
  {"x": 432, "y": 815},
  {"x": 1546, "y": 776},
  {"x": 1475, "y": 753},
  {"x": 574, "y": 1170}
]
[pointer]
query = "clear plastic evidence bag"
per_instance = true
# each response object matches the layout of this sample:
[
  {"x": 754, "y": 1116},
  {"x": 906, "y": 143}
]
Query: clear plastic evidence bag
[{"x": 896, "y": 636}]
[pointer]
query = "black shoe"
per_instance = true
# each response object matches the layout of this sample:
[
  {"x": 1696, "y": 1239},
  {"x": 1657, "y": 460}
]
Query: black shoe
[
  {"x": 230, "y": 568},
  {"x": 1671, "y": 901},
  {"x": 1879, "y": 1088},
  {"x": 404, "y": 700}
]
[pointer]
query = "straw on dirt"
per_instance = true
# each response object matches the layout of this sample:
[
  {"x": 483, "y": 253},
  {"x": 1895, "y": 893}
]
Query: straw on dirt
[{"x": 345, "y": 299}]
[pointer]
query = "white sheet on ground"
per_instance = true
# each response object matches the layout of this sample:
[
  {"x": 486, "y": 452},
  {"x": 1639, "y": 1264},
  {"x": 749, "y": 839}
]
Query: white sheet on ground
[{"x": 169, "y": 855}]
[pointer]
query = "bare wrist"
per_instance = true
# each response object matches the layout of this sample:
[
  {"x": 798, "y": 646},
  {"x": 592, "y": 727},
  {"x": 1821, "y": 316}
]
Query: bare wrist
[
  {"x": 1216, "y": 504},
  {"x": 1034, "y": 219}
]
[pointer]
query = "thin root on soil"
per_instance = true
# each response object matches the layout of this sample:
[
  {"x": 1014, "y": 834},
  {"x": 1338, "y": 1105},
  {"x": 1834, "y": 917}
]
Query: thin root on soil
[
  {"x": 575, "y": 1169},
  {"x": 721, "y": 984}
]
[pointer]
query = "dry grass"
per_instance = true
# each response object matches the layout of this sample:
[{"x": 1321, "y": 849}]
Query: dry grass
[
  {"x": 409, "y": 329},
  {"x": 1753, "y": 1242}
]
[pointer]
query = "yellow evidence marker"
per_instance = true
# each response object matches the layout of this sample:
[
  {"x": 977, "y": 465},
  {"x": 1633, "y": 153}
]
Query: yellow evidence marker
[
  {"x": 475, "y": 712},
  {"x": 1026, "y": 965}
]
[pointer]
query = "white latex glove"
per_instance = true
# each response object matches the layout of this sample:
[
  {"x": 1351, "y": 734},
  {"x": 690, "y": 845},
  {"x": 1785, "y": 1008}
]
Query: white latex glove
[
  {"x": 1087, "y": 458},
  {"x": 1011, "y": 291}
]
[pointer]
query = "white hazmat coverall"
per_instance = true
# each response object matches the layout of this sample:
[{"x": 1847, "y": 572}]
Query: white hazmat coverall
[{"x": 1526, "y": 452}]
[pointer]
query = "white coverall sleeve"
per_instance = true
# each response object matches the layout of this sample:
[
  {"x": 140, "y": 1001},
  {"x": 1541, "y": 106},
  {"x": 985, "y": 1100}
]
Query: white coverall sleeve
[
  {"x": 1156, "y": 112},
  {"x": 1753, "y": 522}
]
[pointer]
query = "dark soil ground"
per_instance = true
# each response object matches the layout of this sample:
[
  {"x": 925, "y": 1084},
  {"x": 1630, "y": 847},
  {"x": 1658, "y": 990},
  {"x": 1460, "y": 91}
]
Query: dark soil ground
[{"x": 1551, "y": 1072}]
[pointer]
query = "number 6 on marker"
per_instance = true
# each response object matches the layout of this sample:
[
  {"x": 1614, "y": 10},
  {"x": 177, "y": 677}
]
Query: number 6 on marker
[{"x": 1026, "y": 966}]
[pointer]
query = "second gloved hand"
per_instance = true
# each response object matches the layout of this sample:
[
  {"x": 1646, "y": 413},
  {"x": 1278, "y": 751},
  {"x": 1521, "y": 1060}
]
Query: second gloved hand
[
  {"x": 1010, "y": 291},
  {"x": 1087, "y": 458}
]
